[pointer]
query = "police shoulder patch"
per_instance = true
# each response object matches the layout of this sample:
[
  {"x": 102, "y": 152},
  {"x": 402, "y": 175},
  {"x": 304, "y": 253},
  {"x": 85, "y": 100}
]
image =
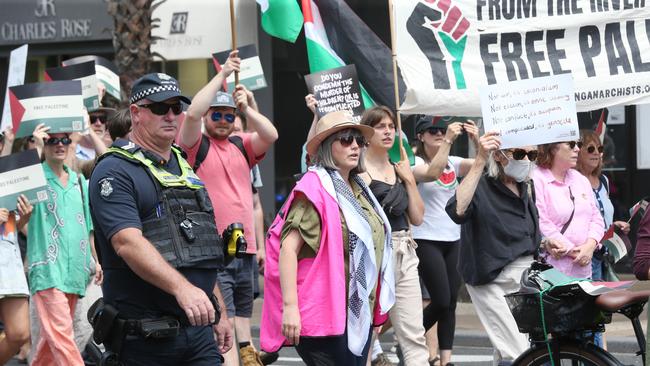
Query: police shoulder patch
[{"x": 105, "y": 187}]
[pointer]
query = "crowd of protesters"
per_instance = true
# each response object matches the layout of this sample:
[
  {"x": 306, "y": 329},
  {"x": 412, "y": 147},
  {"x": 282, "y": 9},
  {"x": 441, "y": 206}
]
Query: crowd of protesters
[{"x": 350, "y": 254}]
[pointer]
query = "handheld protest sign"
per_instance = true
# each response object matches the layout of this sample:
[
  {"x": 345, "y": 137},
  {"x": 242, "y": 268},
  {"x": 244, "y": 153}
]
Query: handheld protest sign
[
  {"x": 16, "y": 76},
  {"x": 84, "y": 72},
  {"x": 335, "y": 90},
  {"x": 251, "y": 74},
  {"x": 106, "y": 72},
  {"x": 531, "y": 112},
  {"x": 57, "y": 104},
  {"x": 22, "y": 173}
]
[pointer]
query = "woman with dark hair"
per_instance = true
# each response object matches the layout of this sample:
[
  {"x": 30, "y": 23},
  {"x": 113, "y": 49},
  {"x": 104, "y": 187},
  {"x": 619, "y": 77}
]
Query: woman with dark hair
[
  {"x": 438, "y": 236},
  {"x": 567, "y": 208},
  {"x": 329, "y": 266},
  {"x": 395, "y": 188}
]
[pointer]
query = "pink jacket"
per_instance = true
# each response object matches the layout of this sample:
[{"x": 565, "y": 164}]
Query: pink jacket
[{"x": 321, "y": 280}]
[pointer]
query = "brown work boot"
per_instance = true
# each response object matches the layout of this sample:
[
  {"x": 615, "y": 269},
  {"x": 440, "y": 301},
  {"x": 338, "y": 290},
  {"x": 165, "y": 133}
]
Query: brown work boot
[{"x": 249, "y": 357}]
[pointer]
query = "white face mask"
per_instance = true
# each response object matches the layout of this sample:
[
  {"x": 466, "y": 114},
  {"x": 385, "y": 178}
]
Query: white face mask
[{"x": 517, "y": 169}]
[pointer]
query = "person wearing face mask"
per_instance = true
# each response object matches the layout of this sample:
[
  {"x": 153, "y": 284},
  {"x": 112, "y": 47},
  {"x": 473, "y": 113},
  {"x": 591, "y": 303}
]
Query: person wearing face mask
[
  {"x": 567, "y": 208},
  {"x": 499, "y": 236}
]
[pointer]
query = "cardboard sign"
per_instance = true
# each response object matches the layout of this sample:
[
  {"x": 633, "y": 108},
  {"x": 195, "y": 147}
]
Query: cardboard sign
[
  {"x": 106, "y": 72},
  {"x": 84, "y": 72},
  {"x": 21, "y": 173},
  {"x": 531, "y": 112},
  {"x": 57, "y": 104},
  {"x": 251, "y": 74},
  {"x": 335, "y": 90},
  {"x": 16, "y": 76}
]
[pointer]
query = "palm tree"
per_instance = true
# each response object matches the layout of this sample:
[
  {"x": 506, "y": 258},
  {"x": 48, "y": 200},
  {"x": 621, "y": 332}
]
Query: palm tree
[{"x": 132, "y": 39}]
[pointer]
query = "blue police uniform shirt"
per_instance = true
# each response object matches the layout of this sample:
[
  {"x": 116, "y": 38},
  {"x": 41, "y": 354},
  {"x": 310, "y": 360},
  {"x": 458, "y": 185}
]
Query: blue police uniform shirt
[{"x": 123, "y": 195}]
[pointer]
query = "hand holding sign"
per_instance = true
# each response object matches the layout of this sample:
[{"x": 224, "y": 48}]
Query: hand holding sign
[{"x": 336, "y": 90}]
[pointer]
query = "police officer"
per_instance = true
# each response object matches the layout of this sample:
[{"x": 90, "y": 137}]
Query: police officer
[{"x": 157, "y": 238}]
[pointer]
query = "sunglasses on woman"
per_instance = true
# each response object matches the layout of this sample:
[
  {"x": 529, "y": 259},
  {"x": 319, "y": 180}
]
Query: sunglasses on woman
[
  {"x": 436, "y": 130},
  {"x": 161, "y": 109},
  {"x": 346, "y": 140},
  {"x": 591, "y": 149},
  {"x": 572, "y": 144},
  {"x": 519, "y": 154},
  {"x": 55, "y": 141},
  {"x": 101, "y": 118},
  {"x": 217, "y": 116}
]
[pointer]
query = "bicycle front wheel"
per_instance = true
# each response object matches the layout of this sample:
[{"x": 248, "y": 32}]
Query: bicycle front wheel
[{"x": 570, "y": 355}]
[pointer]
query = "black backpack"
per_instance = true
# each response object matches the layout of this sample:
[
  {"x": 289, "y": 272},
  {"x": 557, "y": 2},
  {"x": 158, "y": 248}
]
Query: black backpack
[{"x": 205, "y": 146}]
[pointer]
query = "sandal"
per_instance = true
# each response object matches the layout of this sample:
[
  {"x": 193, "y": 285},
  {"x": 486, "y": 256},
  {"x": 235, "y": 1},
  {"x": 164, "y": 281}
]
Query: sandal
[{"x": 435, "y": 361}]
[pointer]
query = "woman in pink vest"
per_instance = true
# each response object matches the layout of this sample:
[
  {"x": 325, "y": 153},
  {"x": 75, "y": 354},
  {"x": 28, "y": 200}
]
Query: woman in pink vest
[{"x": 329, "y": 273}]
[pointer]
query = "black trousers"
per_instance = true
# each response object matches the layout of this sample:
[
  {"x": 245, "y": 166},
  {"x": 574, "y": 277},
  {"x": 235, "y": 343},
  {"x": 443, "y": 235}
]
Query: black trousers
[{"x": 331, "y": 351}]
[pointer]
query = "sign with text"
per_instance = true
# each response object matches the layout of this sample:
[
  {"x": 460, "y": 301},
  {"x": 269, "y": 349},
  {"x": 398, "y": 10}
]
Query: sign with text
[
  {"x": 531, "y": 112},
  {"x": 251, "y": 74},
  {"x": 16, "y": 76},
  {"x": 22, "y": 173},
  {"x": 448, "y": 49},
  {"x": 84, "y": 72},
  {"x": 335, "y": 90},
  {"x": 57, "y": 104},
  {"x": 106, "y": 72}
]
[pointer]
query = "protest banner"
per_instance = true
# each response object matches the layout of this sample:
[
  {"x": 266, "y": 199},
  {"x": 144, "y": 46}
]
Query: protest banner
[
  {"x": 531, "y": 112},
  {"x": 251, "y": 74},
  {"x": 336, "y": 89},
  {"x": 15, "y": 76},
  {"x": 106, "y": 72},
  {"x": 57, "y": 104},
  {"x": 21, "y": 173},
  {"x": 84, "y": 72},
  {"x": 447, "y": 49}
]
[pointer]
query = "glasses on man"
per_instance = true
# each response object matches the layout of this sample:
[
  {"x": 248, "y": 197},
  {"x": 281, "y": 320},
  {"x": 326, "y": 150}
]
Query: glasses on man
[
  {"x": 346, "y": 140},
  {"x": 519, "y": 154},
  {"x": 218, "y": 116},
  {"x": 592, "y": 149},
  {"x": 161, "y": 109},
  {"x": 100, "y": 117},
  {"x": 436, "y": 130},
  {"x": 572, "y": 144},
  {"x": 56, "y": 140}
]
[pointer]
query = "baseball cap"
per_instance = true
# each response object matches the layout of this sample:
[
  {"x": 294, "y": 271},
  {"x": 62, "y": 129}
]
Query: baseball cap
[
  {"x": 425, "y": 122},
  {"x": 156, "y": 87},
  {"x": 223, "y": 100}
]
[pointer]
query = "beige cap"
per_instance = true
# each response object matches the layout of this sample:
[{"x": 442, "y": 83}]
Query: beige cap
[{"x": 332, "y": 123}]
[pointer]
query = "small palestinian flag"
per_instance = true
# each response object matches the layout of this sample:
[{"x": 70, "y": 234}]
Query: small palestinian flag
[
  {"x": 22, "y": 173},
  {"x": 106, "y": 72},
  {"x": 639, "y": 208},
  {"x": 601, "y": 128},
  {"x": 57, "y": 104},
  {"x": 616, "y": 242},
  {"x": 84, "y": 72}
]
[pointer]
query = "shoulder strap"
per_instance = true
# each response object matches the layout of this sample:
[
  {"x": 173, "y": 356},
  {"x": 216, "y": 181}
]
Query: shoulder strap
[
  {"x": 202, "y": 153},
  {"x": 239, "y": 142},
  {"x": 604, "y": 181},
  {"x": 566, "y": 225}
]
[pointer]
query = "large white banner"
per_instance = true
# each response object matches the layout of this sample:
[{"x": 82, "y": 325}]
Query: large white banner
[{"x": 447, "y": 49}]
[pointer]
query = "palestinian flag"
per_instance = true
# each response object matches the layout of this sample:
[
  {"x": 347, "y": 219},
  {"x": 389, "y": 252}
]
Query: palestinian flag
[
  {"x": 639, "y": 208},
  {"x": 601, "y": 127},
  {"x": 616, "y": 242},
  {"x": 22, "y": 173},
  {"x": 106, "y": 71},
  {"x": 57, "y": 104},
  {"x": 281, "y": 18},
  {"x": 84, "y": 72}
]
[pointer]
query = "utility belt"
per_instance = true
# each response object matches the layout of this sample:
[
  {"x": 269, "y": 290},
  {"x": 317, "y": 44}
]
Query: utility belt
[{"x": 110, "y": 329}]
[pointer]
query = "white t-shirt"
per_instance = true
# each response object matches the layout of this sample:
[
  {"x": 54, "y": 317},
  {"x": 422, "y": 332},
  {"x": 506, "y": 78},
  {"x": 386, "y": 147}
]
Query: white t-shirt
[{"x": 437, "y": 225}]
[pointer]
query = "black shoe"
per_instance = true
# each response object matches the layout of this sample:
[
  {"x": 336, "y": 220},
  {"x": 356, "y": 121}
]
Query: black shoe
[{"x": 269, "y": 358}]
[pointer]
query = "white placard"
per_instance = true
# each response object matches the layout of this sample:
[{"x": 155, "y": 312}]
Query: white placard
[
  {"x": 531, "y": 112},
  {"x": 16, "y": 76}
]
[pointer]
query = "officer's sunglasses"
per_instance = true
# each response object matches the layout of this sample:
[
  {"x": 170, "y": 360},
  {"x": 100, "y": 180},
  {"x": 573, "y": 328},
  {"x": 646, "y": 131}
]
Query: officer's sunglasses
[
  {"x": 346, "y": 140},
  {"x": 55, "y": 141},
  {"x": 217, "y": 116},
  {"x": 591, "y": 149},
  {"x": 519, "y": 154},
  {"x": 572, "y": 144},
  {"x": 161, "y": 109}
]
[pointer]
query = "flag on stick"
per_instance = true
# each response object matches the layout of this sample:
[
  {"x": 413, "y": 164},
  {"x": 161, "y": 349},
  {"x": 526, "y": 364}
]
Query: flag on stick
[
  {"x": 601, "y": 127},
  {"x": 281, "y": 18},
  {"x": 616, "y": 242},
  {"x": 639, "y": 208}
]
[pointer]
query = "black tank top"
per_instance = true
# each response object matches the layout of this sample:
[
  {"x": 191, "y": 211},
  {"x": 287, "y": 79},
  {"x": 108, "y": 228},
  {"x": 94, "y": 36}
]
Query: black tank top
[{"x": 396, "y": 210}]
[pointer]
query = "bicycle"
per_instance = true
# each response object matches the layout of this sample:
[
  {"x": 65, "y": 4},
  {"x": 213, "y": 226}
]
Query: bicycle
[{"x": 568, "y": 343}]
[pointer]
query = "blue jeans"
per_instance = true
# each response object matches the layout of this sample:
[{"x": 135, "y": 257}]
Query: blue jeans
[
  {"x": 193, "y": 346},
  {"x": 597, "y": 275}
]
